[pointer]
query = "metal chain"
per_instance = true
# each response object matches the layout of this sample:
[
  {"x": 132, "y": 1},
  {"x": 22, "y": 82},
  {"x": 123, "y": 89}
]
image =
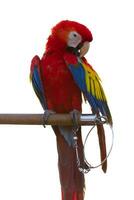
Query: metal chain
[
  {"x": 82, "y": 169},
  {"x": 88, "y": 167}
]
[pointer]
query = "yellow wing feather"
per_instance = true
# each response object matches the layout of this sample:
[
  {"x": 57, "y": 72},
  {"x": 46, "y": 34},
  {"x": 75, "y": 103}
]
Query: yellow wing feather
[
  {"x": 93, "y": 82},
  {"x": 87, "y": 81}
]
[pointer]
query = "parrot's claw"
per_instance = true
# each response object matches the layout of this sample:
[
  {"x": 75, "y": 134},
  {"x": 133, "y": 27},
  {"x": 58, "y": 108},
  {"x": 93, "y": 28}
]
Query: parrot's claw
[
  {"x": 75, "y": 117},
  {"x": 47, "y": 113}
]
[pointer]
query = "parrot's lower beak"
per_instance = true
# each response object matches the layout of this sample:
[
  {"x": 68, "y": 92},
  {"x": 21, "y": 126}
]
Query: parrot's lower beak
[{"x": 84, "y": 49}]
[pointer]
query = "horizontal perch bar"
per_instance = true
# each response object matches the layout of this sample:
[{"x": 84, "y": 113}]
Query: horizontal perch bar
[{"x": 54, "y": 119}]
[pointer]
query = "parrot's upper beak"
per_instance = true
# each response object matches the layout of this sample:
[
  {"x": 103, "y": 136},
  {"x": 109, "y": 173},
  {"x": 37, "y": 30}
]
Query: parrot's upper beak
[{"x": 84, "y": 49}]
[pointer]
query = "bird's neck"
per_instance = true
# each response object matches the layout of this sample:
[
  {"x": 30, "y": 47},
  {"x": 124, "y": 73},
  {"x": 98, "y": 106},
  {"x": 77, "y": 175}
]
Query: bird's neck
[{"x": 54, "y": 44}]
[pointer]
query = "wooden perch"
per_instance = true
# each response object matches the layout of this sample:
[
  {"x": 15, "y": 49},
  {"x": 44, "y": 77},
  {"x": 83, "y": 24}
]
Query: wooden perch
[{"x": 54, "y": 119}]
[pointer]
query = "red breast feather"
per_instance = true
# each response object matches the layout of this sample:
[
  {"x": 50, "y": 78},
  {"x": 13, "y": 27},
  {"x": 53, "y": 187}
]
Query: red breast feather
[{"x": 62, "y": 94}]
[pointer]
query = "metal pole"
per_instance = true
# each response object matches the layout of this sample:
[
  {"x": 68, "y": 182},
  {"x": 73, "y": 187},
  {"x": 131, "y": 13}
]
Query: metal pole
[{"x": 54, "y": 119}]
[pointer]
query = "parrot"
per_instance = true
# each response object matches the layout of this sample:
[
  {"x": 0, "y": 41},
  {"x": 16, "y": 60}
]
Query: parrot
[{"x": 59, "y": 79}]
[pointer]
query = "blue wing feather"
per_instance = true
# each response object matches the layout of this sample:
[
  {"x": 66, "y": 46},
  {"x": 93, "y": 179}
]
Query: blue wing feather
[
  {"x": 79, "y": 77},
  {"x": 38, "y": 87}
]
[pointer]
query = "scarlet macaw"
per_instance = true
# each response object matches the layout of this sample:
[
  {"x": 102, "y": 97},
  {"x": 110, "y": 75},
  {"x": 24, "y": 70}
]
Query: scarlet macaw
[{"x": 59, "y": 78}]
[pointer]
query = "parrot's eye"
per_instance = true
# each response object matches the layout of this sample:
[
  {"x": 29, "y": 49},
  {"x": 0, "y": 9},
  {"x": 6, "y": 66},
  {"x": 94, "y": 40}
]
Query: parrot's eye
[
  {"x": 75, "y": 35},
  {"x": 74, "y": 39}
]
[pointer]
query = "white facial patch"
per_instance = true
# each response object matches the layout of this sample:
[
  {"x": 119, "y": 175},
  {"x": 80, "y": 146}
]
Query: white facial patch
[{"x": 74, "y": 39}]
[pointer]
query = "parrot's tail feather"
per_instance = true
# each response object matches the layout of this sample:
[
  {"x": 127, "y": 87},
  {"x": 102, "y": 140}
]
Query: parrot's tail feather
[
  {"x": 102, "y": 143},
  {"x": 71, "y": 179},
  {"x": 72, "y": 196}
]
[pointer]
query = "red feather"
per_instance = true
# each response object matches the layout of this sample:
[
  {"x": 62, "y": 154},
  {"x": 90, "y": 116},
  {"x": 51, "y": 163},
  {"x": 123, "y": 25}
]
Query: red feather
[{"x": 62, "y": 94}]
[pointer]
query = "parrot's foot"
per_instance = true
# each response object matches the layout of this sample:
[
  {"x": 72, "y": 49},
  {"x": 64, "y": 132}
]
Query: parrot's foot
[
  {"x": 75, "y": 114},
  {"x": 47, "y": 113}
]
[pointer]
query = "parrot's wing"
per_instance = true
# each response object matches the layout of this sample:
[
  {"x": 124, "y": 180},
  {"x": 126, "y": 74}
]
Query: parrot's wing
[
  {"x": 89, "y": 83},
  {"x": 37, "y": 82}
]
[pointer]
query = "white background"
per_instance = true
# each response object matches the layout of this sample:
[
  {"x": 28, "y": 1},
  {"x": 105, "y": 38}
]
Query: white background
[{"x": 28, "y": 157}]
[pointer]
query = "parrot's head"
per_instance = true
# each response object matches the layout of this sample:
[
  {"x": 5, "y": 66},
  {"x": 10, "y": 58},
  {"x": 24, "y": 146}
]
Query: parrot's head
[{"x": 70, "y": 35}]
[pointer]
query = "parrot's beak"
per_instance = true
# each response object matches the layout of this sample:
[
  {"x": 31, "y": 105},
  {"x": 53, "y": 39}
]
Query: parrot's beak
[{"x": 84, "y": 49}]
